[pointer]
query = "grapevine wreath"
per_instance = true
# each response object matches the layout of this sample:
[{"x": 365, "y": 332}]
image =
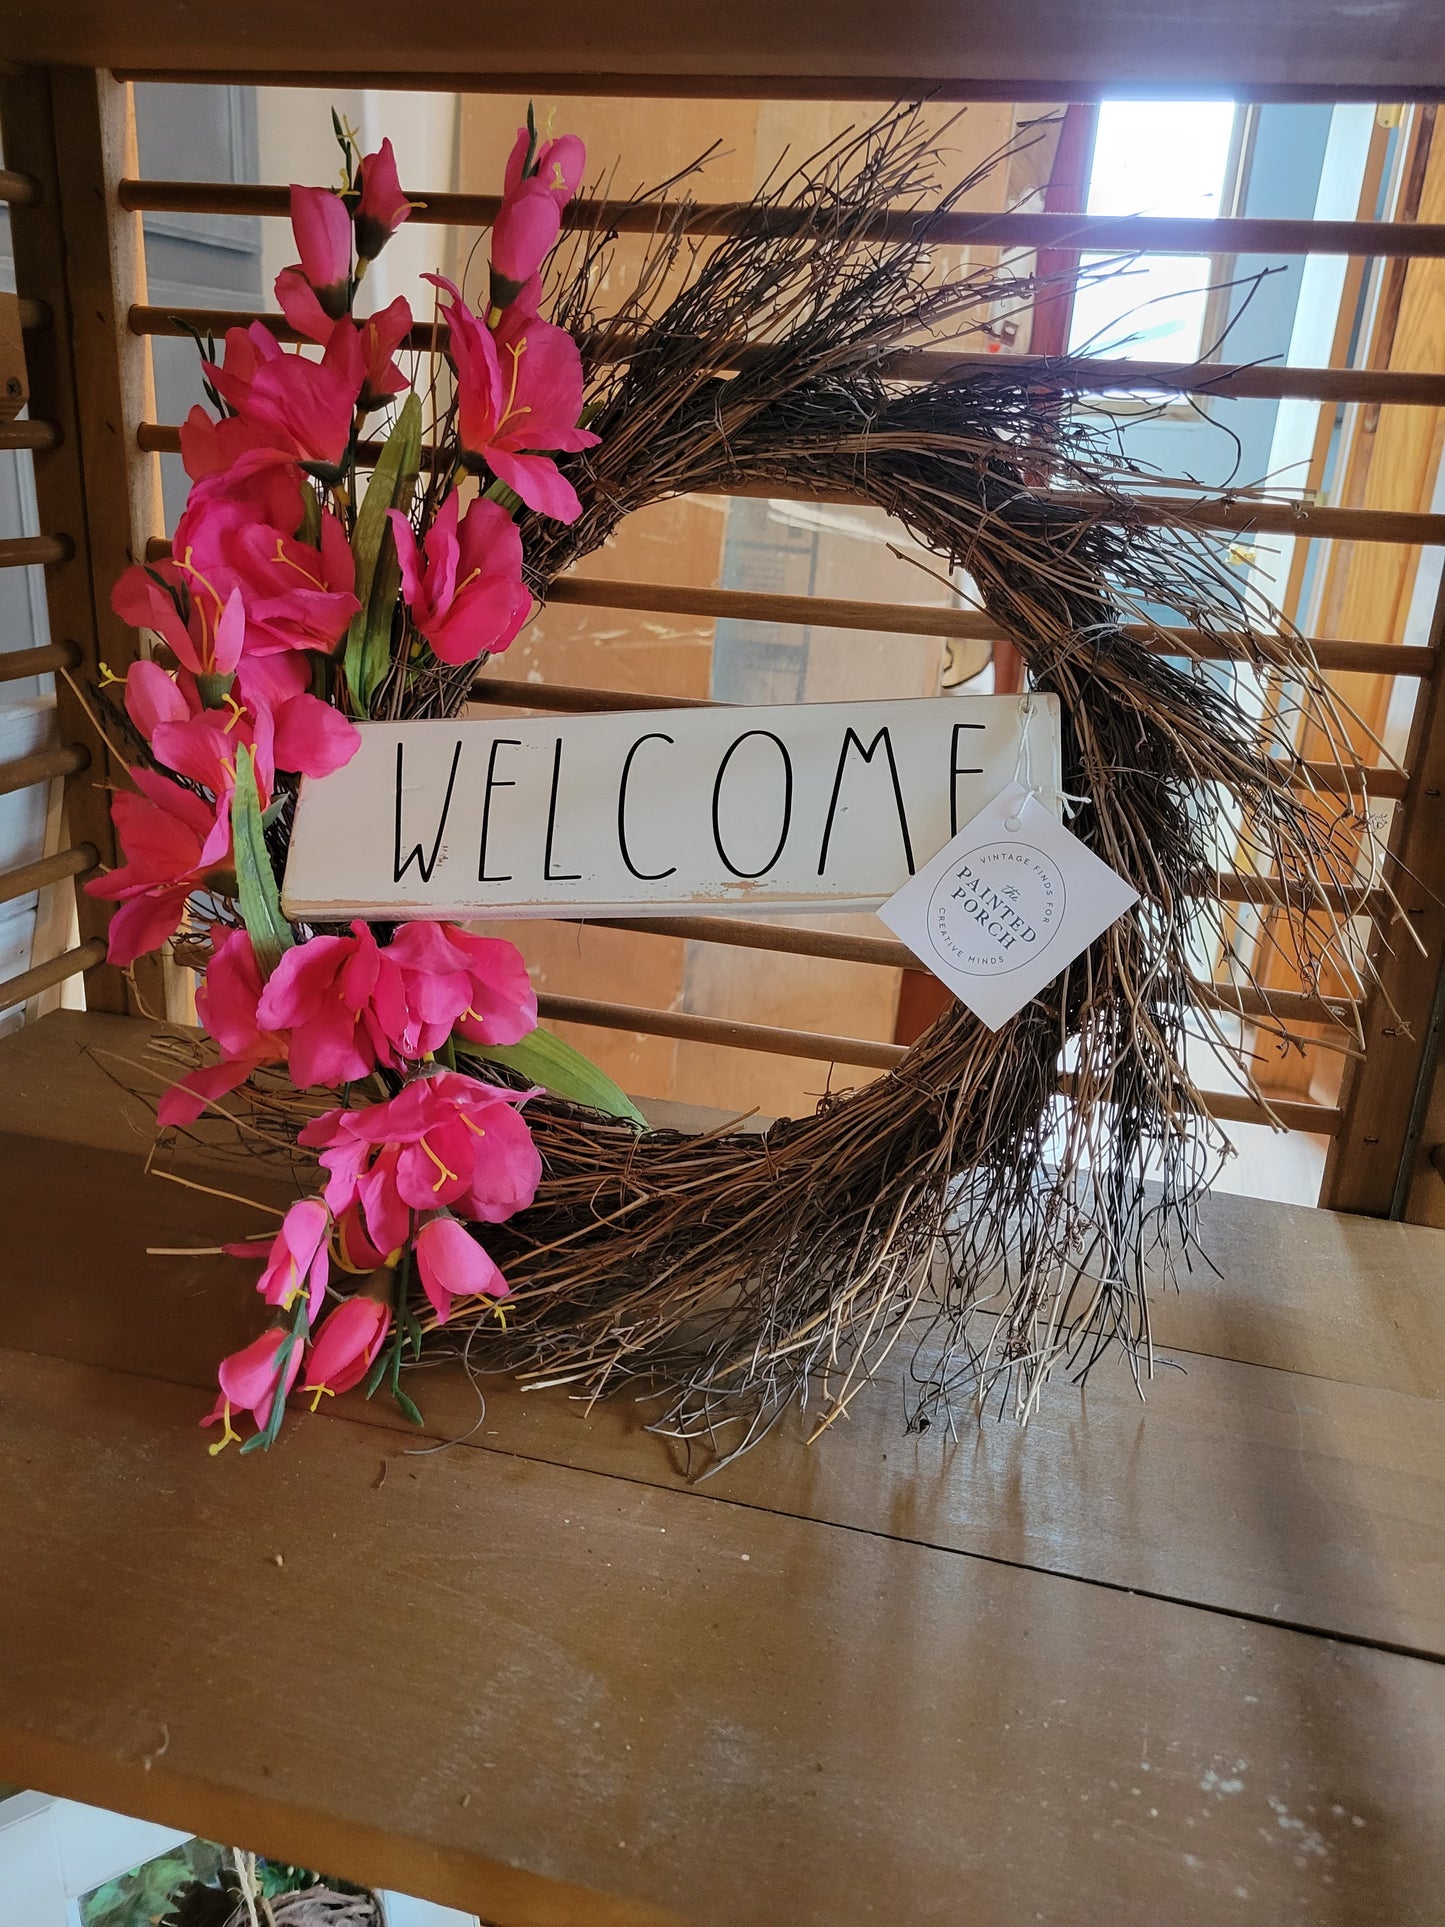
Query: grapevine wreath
[{"x": 373, "y": 517}]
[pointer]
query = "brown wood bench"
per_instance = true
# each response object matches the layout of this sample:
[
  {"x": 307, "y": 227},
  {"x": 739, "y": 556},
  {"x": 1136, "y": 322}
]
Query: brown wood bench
[{"x": 1147, "y": 1659}]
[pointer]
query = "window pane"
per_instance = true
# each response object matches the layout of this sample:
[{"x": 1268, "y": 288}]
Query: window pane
[
  {"x": 1161, "y": 157},
  {"x": 1164, "y": 158},
  {"x": 1151, "y": 310}
]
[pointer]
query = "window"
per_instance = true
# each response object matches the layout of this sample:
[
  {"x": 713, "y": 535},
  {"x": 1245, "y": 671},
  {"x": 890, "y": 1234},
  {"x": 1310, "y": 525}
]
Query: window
[{"x": 1161, "y": 158}]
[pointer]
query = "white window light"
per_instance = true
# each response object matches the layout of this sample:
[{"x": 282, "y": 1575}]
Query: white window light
[{"x": 1162, "y": 158}]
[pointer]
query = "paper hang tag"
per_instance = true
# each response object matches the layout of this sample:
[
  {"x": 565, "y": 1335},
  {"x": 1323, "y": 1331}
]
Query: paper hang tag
[{"x": 1006, "y": 905}]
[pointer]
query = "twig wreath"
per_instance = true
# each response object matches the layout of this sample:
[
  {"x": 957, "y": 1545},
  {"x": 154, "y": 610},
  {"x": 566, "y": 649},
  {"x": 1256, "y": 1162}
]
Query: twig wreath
[{"x": 994, "y": 1198}]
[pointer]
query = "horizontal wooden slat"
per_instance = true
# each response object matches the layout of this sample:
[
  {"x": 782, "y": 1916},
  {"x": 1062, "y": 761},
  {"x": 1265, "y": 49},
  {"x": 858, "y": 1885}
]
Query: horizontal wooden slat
[
  {"x": 1382, "y": 783},
  {"x": 1359, "y": 901},
  {"x": 71, "y": 963},
  {"x": 698, "y": 1626},
  {"x": 1248, "y": 380},
  {"x": 573, "y": 698},
  {"x": 47, "y": 870},
  {"x": 840, "y": 947},
  {"x": 17, "y": 190},
  {"x": 41, "y": 767},
  {"x": 22, "y": 551},
  {"x": 29, "y": 434},
  {"x": 764, "y": 86},
  {"x": 770, "y": 1040},
  {"x": 18, "y": 663},
  {"x": 1107, "y": 234},
  {"x": 914, "y": 619},
  {"x": 1237, "y": 514},
  {"x": 35, "y": 316},
  {"x": 767, "y": 1038},
  {"x": 750, "y": 934},
  {"x": 1232, "y": 1107}
]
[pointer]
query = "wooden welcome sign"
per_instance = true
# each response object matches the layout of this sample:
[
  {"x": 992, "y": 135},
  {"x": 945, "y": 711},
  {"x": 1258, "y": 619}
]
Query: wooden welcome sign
[{"x": 815, "y": 806}]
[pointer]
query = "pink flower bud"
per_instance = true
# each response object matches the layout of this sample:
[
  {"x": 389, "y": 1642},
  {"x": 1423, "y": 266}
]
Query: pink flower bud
[
  {"x": 322, "y": 227},
  {"x": 382, "y": 207},
  {"x": 346, "y": 1346},
  {"x": 453, "y": 1265}
]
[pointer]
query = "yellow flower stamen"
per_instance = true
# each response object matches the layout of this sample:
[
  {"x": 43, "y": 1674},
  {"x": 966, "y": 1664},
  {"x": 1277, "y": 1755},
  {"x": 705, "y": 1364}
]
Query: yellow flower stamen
[
  {"x": 208, "y": 629},
  {"x": 471, "y": 1126},
  {"x": 227, "y": 1437},
  {"x": 446, "y": 1175},
  {"x": 320, "y": 1391},
  {"x": 286, "y": 562},
  {"x": 516, "y": 349}
]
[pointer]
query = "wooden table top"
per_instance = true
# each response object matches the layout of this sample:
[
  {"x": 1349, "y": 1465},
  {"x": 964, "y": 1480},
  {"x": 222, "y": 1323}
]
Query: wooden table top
[{"x": 1175, "y": 1657}]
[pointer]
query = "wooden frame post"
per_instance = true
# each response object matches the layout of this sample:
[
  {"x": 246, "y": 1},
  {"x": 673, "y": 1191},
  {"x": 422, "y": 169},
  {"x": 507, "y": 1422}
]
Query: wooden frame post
[
  {"x": 72, "y": 131},
  {"x": 1366, "y": 1169}
]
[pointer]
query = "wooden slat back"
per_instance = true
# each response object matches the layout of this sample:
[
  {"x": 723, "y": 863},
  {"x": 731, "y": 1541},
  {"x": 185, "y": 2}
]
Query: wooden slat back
[{"x": 101, "y": 479}]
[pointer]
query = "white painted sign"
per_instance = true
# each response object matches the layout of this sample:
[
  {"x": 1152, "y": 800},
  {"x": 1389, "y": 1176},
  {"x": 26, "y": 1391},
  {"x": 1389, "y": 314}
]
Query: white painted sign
[
  {"x": 1006, "y": 905},
  {"x": 813, "y": 806}
]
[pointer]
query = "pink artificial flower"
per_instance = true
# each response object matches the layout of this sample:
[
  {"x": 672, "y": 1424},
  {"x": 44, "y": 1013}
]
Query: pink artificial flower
[
  {"x": 453, "y": 1265},
  {"x": 558, "y": 164},
  {"x": 251, "y": 1381},
  {"x": 470, "y": 598},
  {"x": 226, "y": 1005},
  {"x": 265, "y": 483},
  {"x": 530, "y": 217},
  {"x": 453, "y": 981},
  {"x": 277, "y": 718},
  {"x": 202, "y": 625},
  {"x": 308, "y": 735},
  {"x": 305, "y": 407},
  {"x": 298, "y": 1258},
  {"x": 322, "y": 226},
  {"x": 445, "y": 1139},
  {"x": 319, "y": 995},
  {"x": 518, "y": 390},
  {"x": 297, "y": 299},
  {"x": 239, "y": 457},
  {"x": 197, "y": 742},
  {"x": 348, "y": 1004},
  {"x": 346, "y": 1346},
  {"x": 295, "y": 595},
  {"x": 523, "y": 235},
  {"x": 382, "y": 207},
  {"x": 172, "y": 840},
  {"x": 354, "y": 1251},
  {"x": 381, "y": 335}
]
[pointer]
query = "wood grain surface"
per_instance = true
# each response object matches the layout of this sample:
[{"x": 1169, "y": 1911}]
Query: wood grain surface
[
  {"x": 1140, "y": 1659},
  {"x": 1392, "y": 48}
]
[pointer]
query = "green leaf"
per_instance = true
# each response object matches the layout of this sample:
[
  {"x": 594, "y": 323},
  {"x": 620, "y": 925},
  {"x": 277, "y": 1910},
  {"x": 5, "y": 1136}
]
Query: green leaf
[
  {"x": 378, "y": 572},
  {"x": 377, "y": 1373},
  {"x": 263, "y": 1441},
  {"x": 267, "y": 928},
  {"x": 310, "y": 530},
  {"x": 545, "y": 1059},
  {"x": 408, "y": 1409}
]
